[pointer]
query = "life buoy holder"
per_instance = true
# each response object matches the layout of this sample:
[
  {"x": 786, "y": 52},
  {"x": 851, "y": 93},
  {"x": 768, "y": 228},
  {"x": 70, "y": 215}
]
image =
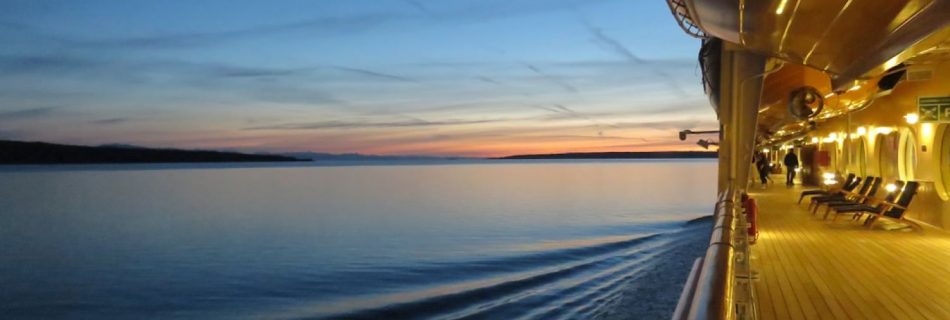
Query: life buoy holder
[{"x": 752, "y": 216}]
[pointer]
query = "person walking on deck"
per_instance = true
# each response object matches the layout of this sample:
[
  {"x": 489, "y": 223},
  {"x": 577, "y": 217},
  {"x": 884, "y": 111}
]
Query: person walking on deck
[
  {"x": 791, "y": 163},
  {"x": 762, "y": 164}
]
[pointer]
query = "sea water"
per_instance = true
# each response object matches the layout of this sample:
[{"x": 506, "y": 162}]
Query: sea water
[{"x": 454, "y": 239}]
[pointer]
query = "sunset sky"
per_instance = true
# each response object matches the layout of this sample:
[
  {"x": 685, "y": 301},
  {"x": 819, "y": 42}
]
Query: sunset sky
[{"x": 435, "y": 77}]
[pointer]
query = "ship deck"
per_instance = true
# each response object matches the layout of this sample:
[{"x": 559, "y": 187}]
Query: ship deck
[{"x": 814, "y": 269}]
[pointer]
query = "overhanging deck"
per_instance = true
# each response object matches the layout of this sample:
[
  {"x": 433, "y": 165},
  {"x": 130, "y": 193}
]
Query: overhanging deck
[{"x": 814, "y": 269}]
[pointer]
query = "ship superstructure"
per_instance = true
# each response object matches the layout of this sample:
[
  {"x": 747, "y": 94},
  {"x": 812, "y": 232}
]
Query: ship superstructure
[{"x": 856, "y": 91}]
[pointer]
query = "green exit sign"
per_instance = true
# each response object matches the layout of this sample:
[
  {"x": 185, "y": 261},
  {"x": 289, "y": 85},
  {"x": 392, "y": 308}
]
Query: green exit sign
[{"x": 934, "y": 109}]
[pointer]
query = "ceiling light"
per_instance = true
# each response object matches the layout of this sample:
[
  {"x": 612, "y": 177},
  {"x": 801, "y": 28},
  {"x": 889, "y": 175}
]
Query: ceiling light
[{"x": 781, "y": 7}]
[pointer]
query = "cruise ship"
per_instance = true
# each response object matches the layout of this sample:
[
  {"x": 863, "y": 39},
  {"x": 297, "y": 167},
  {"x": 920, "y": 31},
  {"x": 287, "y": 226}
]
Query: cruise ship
[{"x": 858, "y": 93}]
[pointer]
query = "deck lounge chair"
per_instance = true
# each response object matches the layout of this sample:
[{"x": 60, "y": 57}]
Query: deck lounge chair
[
  {"x": 895, "y": 211},
  {"x": 855, "y": 198},
  {"x": 878, "y": 206},
  {"x": 873, "y": 206},
  {"x": 849, "y": 184},
  {"x": 840, "y": 195}
]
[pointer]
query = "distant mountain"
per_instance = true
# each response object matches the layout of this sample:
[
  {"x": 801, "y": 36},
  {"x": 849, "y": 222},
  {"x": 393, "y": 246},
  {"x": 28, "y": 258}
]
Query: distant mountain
[
  {"x": 621, "y": 155},
  {"x": 18, "y": 152},
  {"x": 123, "y": 146},
  {"x": 319, "y": 156}
]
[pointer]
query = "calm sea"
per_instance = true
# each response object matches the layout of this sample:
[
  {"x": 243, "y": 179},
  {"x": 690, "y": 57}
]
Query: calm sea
[{"x": 483, "y": 239}]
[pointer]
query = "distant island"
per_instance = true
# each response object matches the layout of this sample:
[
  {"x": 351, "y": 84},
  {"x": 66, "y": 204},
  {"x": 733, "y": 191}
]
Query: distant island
[
  {"x": 621, "y": 155},
  {"x": 18, "y": 152}
]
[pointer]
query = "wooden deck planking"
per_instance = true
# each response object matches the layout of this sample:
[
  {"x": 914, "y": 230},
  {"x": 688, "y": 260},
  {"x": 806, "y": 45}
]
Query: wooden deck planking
[
  {"x": 810, "y": 268},
  {"x": 817, "y": 306}
]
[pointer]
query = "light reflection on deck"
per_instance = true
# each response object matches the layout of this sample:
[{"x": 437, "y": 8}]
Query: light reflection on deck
[{"x": 814, "y": 269}]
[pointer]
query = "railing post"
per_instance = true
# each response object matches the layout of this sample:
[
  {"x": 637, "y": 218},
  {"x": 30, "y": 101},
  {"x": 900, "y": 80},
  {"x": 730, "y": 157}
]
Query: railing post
[{"x": 744, "y": 292}]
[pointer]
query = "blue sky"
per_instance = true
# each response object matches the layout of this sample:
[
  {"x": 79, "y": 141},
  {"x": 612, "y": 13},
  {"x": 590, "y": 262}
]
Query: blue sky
[{"x": 443, "y": 77}]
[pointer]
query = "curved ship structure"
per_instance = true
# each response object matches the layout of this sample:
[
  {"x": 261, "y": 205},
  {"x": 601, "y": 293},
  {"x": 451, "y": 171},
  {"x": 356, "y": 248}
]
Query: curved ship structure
[{"x": 859, "y": 93}]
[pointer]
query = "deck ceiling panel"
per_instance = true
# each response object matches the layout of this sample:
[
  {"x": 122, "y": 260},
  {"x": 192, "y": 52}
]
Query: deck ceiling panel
[{"x": 846, "y": 38}]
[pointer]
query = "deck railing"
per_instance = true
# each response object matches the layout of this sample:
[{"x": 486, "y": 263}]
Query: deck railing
[
  {"x": 719, "y": 285},
  {"x": 681, "y": 14}
]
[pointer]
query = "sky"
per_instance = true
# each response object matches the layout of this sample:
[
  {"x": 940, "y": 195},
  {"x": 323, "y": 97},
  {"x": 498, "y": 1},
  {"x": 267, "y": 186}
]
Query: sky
[{"x": 429, "y": 77}]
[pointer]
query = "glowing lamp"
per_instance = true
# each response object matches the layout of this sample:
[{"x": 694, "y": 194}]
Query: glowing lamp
[
  {"x": 927, "y": 130},
  {"x": 911, "y": 118},
  {"x": 828, "y": 175},
  {"x": 766, "y": 150},
  {"x": 814, "y": 139},
  {"x": 862, "y": 131},
  {"x": 890, "y": 187},
  {"x": 890, "y": 63},
  {"x": 798, "y": 169},
  {"x": 833, "y": 136},
  {"x": 829, "y": 182},
  {"x": 781, "y": 7}
]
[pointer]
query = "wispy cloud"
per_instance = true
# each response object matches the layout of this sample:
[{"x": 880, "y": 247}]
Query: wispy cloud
[
  {"x": 610, "y": 44},
  {"x": 111, "y": 121},
  {"x": 312, "y": 27},
  {"x": 565, "y": 112},
  {"x": 250, "y": 72},
  {"x": 669, "y": 124},
  {"x": 418, "y": 6},
  {"x": 48, "y": 63},
  {"x": 340, "y": 124},
  {"x": 375, "y": 74},
  {"x": 27, "y": 113},
  {"x": 561, "y": 83},
  {"x": 488, "y": 80}
]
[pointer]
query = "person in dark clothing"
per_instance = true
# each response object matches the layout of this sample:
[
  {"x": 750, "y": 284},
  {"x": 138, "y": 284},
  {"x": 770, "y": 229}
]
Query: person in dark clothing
[
  {"x": 762, "y": 164},
  {"x": 791, "y": 163}
]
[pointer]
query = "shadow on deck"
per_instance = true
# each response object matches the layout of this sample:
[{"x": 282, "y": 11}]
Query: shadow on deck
[{"x": 815, "y": 269}]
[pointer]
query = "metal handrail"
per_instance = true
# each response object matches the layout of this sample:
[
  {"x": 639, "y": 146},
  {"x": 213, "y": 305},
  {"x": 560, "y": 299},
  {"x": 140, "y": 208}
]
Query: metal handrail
[
  {"x": 710, "y": 291},
  {"x": 688, "y": 290}
]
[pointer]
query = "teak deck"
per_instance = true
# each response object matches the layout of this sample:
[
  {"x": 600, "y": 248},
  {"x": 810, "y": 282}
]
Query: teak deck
[{"x": 814, "y": 269}]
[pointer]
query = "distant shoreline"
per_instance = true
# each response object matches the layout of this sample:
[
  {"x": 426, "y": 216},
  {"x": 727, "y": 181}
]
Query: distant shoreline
[
  {"x": 41, "y": 153},
  {"x": 618, "y": 155}
]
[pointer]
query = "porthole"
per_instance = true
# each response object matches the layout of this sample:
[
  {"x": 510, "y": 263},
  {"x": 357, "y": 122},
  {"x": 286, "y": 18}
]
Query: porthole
[
  {"x": 943, "y": 138},
  {"x": 908, "y": 155},
  {"x": 859, "y": 157},
  {"x": 887, "y": 156}
]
